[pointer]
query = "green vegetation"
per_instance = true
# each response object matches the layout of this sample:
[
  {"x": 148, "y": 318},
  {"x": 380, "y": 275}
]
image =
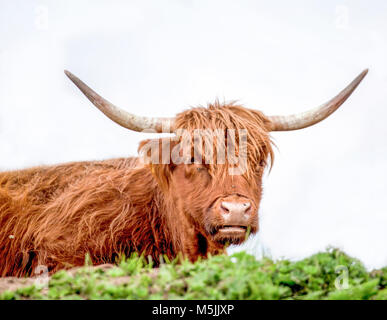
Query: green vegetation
[{"x": 238, "y": 276}]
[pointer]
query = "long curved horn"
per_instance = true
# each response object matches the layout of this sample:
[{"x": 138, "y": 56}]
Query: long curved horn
[
  {"x": 313, "y": 116},
  {"x": 122, "y": 117}
]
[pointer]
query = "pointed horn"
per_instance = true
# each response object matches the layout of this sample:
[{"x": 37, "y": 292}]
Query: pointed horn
[
  {"x": 122, "y": 117},
  {"x": 311, "y": 117}
]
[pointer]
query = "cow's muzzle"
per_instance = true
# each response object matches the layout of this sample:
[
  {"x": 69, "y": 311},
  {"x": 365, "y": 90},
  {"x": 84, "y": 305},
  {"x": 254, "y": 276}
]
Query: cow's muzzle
[{"x": 236, "y": 217}]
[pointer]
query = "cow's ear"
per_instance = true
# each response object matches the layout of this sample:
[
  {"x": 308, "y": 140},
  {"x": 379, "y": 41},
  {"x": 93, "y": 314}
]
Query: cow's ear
[
  {"x": 149, "y": 151},
  {"x": 142, "y": 150},
  {"x": 162, "y": 173},
  {"x": 156, "y": 151},
  {"x": 155, "y": 154}
]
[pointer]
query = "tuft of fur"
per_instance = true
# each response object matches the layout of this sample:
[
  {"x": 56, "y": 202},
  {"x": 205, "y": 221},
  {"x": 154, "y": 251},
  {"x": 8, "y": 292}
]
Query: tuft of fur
[{"x": 233, "y": 116}]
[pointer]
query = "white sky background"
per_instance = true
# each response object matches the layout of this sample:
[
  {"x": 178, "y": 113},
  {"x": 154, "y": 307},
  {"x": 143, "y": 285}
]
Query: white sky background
[{"x": 328, "y": 183}]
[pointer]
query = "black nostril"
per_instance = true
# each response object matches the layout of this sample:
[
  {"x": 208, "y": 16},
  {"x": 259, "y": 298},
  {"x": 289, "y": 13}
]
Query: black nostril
[
  {"x": 247, "y": 207},
  {"x": 224, "y": 208}
]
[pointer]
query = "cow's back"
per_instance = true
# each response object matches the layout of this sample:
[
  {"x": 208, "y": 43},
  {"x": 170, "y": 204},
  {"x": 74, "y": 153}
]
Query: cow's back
[
  {"x": 24, "y": 195},
  {"x": 41, "y": 184}
]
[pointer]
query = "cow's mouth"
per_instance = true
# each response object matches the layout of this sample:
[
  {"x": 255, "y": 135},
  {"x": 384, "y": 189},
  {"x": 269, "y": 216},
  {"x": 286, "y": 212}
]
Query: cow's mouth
[
  {"x": 230, "y": 234},
  {"x": 232, "y": 229}
]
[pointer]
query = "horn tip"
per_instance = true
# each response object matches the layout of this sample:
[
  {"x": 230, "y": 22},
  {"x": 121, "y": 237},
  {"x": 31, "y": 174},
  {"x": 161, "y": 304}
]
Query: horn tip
[
  {"x": 68, "y": 73},
  {"x": 364, "y": 73},
  {"x": 361, "y": 76},
  {"x": 73, "y": 78}
]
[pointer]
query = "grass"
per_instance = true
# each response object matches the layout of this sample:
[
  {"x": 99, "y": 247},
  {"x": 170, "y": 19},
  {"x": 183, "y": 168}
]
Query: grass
[{"x": 327, "y": 275}]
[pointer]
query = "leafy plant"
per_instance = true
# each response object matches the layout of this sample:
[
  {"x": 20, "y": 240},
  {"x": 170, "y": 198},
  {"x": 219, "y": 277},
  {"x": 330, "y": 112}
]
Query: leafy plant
[{"x": 327, "y": 275}]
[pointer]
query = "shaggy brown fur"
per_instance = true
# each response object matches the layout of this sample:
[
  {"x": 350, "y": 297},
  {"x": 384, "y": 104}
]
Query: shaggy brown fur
[{"x": 55, "y": 215}]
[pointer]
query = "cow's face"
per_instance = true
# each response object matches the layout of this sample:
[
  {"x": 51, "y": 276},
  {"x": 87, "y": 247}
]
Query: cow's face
[
  {"x": 224, "y": 208},
  {"x": 220, "y": 196}
]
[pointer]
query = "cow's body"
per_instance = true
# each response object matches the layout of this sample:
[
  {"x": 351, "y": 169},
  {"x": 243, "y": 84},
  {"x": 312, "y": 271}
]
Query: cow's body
[{"x": 54, "y": 216}]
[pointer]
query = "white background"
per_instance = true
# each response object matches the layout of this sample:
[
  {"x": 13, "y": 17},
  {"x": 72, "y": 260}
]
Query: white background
[{"x": 328, "y": 183}]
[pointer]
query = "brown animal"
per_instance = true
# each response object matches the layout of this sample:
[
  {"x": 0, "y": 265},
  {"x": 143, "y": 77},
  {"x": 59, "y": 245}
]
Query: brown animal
[{"x": 55, "y": 215}]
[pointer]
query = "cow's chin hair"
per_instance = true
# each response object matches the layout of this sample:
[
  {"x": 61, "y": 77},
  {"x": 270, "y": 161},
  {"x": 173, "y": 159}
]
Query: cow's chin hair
[
  {"x": 222, "y": 239},
  {"x": 227, "y": 240}
]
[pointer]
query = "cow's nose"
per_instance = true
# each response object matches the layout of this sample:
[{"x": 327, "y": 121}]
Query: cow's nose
[{"x": 236, "y": 209}]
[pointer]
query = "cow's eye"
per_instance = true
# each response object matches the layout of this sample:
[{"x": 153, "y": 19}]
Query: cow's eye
[
  {"x": 194, "y": 170},
  {"x": 200, "y": 168}
]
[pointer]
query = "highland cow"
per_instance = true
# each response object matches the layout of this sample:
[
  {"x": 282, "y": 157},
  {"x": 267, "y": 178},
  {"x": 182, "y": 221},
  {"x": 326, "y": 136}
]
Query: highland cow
[{"x": 153, "y": 204}]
